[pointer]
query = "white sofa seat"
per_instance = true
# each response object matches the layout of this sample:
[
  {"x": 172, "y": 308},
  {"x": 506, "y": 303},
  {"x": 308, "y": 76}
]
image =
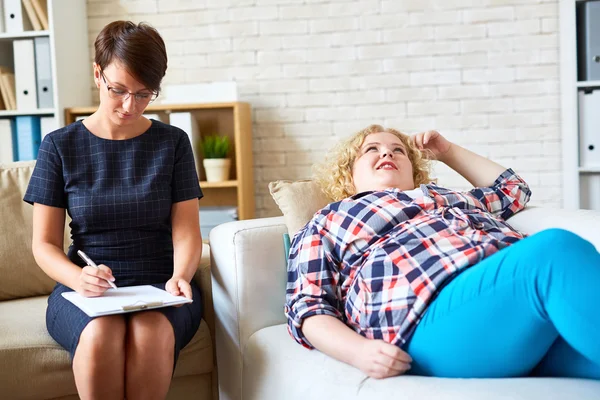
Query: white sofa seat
[
  {"x": 276, "y": 367},
  {"x": 258, "y": 360}
]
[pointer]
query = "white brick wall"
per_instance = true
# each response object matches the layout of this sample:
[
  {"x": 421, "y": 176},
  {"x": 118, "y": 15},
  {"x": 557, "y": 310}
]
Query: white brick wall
[{"x": 485, "y": 76}]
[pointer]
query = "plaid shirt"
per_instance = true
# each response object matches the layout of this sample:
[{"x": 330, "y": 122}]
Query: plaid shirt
[{"x": 377, "y": 259}]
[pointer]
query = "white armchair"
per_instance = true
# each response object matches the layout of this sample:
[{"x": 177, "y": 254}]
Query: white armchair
[{"x": 258, "y": 360}]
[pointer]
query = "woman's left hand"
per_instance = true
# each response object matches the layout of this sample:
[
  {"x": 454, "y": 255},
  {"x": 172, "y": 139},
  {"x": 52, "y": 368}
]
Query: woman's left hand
[
  {"x": 178, "y": 286},
  {"x": 433, "y": 141}
]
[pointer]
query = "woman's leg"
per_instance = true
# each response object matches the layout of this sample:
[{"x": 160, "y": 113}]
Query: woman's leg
[
  {"x": 150, "y": 356},
  {"x": 99, "y": 361},
  {"x": 501, "y": 317},
  {"x": 563, "y": 360}
]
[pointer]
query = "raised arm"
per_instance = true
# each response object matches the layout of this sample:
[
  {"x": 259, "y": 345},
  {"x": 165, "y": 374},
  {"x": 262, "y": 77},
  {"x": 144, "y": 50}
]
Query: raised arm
[
  {"x": 478, "y": 170},
  {"x": 497, "y": 190}
]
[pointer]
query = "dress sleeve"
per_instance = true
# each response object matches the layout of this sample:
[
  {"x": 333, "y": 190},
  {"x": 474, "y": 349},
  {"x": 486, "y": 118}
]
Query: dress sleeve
[
  {"x": 185, "y": 184},
  {"x": 313, "y": 281},
  {"x": 47, "y": 185}
]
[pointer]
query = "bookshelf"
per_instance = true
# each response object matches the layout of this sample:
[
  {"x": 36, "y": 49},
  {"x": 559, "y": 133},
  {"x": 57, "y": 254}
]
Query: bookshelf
[
  {"x": 230, "y": 119},
  {"x": 69, "y": 58},
  {"x": 581, "y": 180}
]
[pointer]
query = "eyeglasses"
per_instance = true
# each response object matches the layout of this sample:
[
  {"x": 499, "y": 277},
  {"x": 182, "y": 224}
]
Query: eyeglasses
[{"x": 122, "y": 95}]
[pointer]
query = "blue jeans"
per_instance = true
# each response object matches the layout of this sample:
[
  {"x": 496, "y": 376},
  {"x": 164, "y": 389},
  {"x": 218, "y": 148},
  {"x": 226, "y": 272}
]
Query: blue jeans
[{"x": 530, "y": 309}]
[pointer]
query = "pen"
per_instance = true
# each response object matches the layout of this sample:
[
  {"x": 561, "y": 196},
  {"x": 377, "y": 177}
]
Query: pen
[{"x": 89, "y": 262}]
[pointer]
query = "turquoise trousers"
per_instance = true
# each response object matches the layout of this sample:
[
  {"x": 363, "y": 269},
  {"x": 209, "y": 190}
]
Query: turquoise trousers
[{"x": 530, "y": 309}]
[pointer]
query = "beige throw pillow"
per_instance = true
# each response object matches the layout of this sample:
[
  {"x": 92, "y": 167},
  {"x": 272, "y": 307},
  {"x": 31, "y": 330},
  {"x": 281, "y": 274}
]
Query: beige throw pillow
[{"x": 298, "y": 201}]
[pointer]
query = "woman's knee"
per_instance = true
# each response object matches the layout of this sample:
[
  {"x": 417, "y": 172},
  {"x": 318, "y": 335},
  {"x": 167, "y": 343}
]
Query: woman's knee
[
  {"x": 150, "y": 329},
  {"x": 559, "y": 255},
  {"x": 559, "y": 244},
  {"x": 103, "y": 335}
]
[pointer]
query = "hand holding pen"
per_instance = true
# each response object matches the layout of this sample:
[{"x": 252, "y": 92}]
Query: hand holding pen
[{"x": 94, "y": 279}]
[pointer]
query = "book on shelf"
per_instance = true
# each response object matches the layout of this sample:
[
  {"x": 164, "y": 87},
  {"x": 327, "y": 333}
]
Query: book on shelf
[
  {"x": 7, "y": 88},
  {"x": 2, "y": 27},
  {"x": 15, "y": 17},
  {"x": 31, "y": 14},
  {"x": 187, "y": 122},
  {"x": 9, "y": 82},
  {"x": 589, "y": 128},
  {"x": 41, "y": 10},
  {"x": 2, "y": 105},
  {"x": 29, "y": 136},
  {"x": 25, "y": 80},
  {"x": 4, "y": 94},
  {"x": 43, "y": 72}
]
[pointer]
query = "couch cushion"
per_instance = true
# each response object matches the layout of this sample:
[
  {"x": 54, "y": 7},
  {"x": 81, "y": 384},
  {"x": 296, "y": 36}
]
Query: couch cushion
[
  {"x": 40, "y": 368},
  {"x": 21, "y": 276},
  {"x": 298, "y": 201},
  {"x": 273, "y": 363}
]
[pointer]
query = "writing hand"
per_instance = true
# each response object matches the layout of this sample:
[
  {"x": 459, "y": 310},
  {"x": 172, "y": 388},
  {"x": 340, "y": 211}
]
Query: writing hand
[
  {"x": 379, "y": 359},
  {"x": 433, "y": 142},
  {"x": 93, "y": 281}
]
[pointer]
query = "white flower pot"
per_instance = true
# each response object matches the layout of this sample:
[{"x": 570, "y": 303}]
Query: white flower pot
[{"x": 217, "y": 169}]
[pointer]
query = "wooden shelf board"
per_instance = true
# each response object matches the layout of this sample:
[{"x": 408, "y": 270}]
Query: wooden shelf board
[
  {"x": 223, "y": 184},
  {"x": 229, "y": 118},
  {"x": 161, "y": 107},
  {"x": 14, "y": 113}
]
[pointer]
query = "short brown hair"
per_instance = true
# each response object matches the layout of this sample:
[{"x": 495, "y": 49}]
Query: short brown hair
[
  {"x": 140, "y": 49},
  {"x": 334, "y": 175}
]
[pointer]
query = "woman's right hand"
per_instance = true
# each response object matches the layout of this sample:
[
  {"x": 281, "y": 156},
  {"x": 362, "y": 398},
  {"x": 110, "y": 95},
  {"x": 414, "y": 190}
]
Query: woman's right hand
[
  {"x": 93, "y": 282},
  {"x": 379, "y": 359}
]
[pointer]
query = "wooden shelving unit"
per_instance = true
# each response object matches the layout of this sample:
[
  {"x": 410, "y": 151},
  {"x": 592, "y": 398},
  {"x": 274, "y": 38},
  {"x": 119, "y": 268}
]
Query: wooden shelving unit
[{"x": 230, "y": 119}]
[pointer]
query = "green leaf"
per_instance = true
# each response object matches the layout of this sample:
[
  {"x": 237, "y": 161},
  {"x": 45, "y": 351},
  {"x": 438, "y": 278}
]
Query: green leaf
[{"x": 215, "y": 146}]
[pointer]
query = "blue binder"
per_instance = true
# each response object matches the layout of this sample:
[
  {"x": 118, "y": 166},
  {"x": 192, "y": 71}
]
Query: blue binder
[
  {"x": 13, "y": 130},
  {"x": 29, "y": 137}
]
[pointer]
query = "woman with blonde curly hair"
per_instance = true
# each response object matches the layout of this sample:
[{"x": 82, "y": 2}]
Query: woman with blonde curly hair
[
  {"x": 334, "y": 176},
  {"x": 434, "y": 280}
]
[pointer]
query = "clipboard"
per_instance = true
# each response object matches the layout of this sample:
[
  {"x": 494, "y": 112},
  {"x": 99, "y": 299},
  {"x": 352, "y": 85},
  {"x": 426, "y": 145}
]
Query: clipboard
[{"x": 124, "y": 300}]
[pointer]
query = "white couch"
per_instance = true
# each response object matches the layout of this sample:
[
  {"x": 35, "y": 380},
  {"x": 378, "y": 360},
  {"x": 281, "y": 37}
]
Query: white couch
[{"x": 258, "y": 360}]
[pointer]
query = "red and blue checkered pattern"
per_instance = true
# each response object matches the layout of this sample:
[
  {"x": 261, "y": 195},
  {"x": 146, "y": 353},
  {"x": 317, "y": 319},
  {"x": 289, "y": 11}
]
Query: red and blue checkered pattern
[{"x": 377, "y": 259}]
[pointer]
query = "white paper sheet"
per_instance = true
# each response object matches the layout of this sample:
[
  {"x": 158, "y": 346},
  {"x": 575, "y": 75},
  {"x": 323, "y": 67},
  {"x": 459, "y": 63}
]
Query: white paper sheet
[{"x": 125, "y": 299}]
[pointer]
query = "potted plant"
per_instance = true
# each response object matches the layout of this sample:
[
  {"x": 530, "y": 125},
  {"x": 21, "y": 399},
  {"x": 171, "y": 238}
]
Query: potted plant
[{"x": 214, "y": 150}]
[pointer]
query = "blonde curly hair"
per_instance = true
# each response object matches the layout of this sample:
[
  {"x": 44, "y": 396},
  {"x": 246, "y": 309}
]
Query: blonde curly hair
[{"x": 334, "y": 175}]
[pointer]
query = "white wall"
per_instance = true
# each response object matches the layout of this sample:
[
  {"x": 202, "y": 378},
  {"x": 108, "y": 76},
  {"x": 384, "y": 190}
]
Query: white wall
[{"x": 482, "y": 72}]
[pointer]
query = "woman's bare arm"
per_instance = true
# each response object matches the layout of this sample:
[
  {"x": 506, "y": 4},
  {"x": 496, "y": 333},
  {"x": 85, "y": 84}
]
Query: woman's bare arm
[
  {"x": 375, "y": 358},
  {"x": 187, "y": 246},
  {"x": 47, "y": 247},
  {"x": 478, "y": 170}
]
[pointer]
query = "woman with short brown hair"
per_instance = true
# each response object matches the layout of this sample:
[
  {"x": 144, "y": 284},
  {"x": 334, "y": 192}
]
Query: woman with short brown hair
[{"x": 130, "y": 186}]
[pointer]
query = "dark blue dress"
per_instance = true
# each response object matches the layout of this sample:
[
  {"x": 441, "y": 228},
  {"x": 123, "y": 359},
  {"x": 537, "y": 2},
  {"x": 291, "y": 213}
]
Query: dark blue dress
[{"x": 118, "y": 194}]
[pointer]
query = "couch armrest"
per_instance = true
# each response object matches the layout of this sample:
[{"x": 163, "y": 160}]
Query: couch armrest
[
  {"x": 203, "y": 279},
  {"x": 585, "y": 223},
  {"x": 248, "y": 281}
]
